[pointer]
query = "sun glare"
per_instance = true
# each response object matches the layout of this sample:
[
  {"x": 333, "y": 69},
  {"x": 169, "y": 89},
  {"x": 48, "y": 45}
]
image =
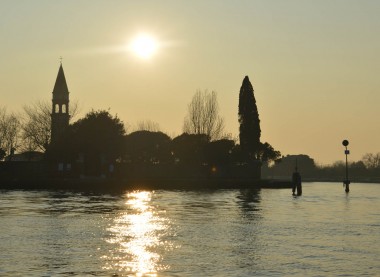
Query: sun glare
[
  {"x": 144, "y": 46},
  {"x": 139, "y": 235}
]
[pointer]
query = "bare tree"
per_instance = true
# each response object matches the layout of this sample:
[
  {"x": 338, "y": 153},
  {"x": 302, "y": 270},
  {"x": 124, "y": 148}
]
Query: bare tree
[
  {"x": 36, "y": 125},
  {"x": 148, "y": 125},
  {"x": 10, "y": 128},
  {"x": 371, "y": 160},
  {"x": 203, "y": 116},
  {"x": 2, "y": 131},
  {"x": 3, "y": 112}
]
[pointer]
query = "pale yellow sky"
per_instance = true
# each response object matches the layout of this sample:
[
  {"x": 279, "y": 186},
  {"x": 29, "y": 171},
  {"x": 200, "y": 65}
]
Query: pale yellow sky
[{"x": 313, "y": 64}]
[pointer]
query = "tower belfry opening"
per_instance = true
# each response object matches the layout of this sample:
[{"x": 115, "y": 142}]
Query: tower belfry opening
[{"x": 60, "y": 106}]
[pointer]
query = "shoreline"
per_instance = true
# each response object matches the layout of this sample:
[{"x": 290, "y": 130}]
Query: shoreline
[{"x": 98, "y": 183}]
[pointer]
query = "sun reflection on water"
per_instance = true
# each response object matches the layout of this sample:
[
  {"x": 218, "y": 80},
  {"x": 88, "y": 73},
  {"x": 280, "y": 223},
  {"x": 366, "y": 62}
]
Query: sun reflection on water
[{"x": 137, "y": 236}]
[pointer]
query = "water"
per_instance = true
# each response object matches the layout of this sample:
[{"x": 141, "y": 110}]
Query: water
[{"x": 192, "y": 233}]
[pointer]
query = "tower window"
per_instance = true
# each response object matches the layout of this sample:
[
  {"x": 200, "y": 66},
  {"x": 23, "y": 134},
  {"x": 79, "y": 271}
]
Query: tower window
[
  {"x": 56, "y": 109},
  {"x": 63, "y": 108}
]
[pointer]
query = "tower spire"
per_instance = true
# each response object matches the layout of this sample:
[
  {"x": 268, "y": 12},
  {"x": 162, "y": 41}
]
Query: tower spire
[
  {"x": 60, "y": 86},
  {"x": 60, "y": 106}
]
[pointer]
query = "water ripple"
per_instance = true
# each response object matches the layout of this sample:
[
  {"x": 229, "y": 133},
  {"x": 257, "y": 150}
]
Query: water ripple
[{"x": 190, "y": 233}]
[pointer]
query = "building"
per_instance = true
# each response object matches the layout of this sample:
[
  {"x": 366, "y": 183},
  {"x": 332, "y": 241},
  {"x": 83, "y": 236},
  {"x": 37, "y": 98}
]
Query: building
[
  {"x": 28, "y": 156},
  {"x": 60, "y": 106}
]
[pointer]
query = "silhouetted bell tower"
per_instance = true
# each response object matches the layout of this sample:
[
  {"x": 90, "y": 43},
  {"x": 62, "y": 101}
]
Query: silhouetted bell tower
[{"x": 60, "y": 108}]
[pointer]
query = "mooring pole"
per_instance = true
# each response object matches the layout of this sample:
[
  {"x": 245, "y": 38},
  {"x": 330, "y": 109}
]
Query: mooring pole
[{"x": 346, "y": 182}]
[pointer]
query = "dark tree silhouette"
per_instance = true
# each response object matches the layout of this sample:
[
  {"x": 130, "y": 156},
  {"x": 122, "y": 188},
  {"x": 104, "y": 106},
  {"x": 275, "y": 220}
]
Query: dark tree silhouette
[
  {"x": 10, "y": 129},
  {"x": 36, "y": 126},
  {"x": 189, "y": 148},
  {"x": 267, "y": 154},
  {"x": 219, "y": 152},
  {"x": 249, "y": 122},
  {"x": 286, "y": 165},
  {"x": 97, "y": 139},
  {"x": 100, "y": 135},
  {"x": 148, "y": 147}
]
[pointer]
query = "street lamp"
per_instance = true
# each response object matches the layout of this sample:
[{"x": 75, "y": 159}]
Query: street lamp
[{"x": 346, "y": 182}]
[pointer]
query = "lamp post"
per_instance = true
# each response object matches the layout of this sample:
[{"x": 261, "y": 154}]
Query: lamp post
[{"x": 346, "y": 182}]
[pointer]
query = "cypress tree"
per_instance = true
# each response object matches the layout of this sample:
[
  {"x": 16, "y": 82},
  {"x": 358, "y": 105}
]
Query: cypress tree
[{"x": 249, "y": 131}]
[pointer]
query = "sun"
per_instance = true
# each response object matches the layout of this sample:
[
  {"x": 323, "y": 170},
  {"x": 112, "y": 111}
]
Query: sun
[{"x": 144, "y": 46}]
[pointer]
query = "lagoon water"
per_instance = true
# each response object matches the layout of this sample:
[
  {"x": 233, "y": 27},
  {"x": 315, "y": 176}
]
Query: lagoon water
[{"x": 267, "y": 232}]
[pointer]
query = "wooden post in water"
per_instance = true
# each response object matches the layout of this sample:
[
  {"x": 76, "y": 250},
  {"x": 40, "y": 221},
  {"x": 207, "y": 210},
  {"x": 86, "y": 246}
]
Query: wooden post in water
[
  {"x": 297, "y": 182},
  {"x": 346, "y": 182}
]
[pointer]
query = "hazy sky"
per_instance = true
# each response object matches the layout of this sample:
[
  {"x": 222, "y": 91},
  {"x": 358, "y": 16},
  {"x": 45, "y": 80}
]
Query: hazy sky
[{"x": 314, "y": 65}]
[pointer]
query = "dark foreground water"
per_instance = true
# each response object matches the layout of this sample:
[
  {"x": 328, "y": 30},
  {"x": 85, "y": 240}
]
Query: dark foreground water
[{"x": 198, "y": 233}]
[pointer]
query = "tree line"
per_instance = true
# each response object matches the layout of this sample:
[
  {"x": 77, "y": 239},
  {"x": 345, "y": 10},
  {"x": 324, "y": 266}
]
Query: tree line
[
  {"x": 366, "y": 169},
  {"x": 101, "y": 136},
  {"x": 29, "y": 130},
  {"x": 101, "y": 131}
]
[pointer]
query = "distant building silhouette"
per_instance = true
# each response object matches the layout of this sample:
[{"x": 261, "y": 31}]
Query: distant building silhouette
[
  {"x": 28, "y": 156},
  {"x": 60, "y": 106}
]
